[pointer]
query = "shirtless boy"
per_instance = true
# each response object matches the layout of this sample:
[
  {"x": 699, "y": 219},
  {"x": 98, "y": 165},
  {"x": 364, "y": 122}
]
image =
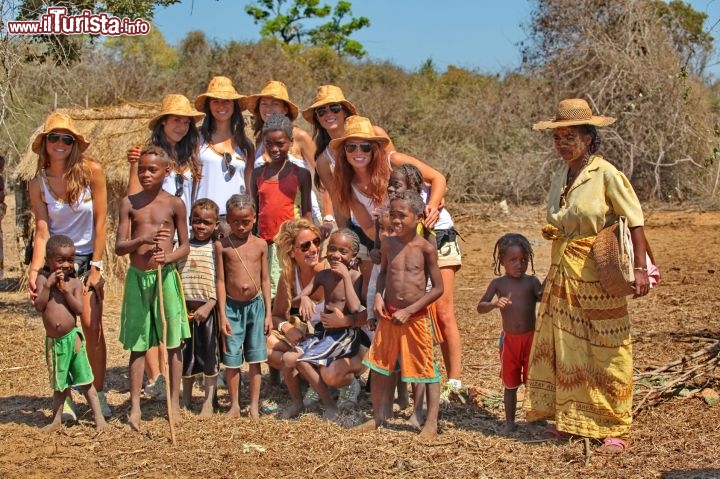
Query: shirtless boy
[
  {"x": 60, "y": 302},
  {"x": 243, "y": 291},
  {"x": 148, "y": 222},
  {"x": 404, "y": 331}
]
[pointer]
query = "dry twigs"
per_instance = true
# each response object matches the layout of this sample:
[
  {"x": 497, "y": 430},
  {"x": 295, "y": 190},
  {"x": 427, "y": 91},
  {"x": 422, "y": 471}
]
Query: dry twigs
[{"x": 660, "y": 381}]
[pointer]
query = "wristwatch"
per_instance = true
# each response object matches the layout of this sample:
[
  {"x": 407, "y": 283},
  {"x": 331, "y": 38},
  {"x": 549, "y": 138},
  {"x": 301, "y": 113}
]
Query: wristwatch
[
  {"x": 329, "y": 219},
  {"x": 97, "y": 264}
]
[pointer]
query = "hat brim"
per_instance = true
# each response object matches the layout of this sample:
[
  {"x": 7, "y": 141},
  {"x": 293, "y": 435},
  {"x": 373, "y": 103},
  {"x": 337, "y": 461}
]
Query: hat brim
[
  {"x": 338, "y": 142},
  {"x": 202, "y": 99},
  {"x": 251, "y": 102},
  {"x": 598, "y": 121},
  {"x": 196, "y": 116},
  {"x": 37, "y": 142},
  {"x": 309, "y": 112}
]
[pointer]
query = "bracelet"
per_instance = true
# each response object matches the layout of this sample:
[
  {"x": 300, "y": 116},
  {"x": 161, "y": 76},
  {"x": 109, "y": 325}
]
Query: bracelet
[{"x": 641, "y": 268}]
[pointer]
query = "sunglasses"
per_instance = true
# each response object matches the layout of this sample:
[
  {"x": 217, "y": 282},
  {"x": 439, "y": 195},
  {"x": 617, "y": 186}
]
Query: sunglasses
[
  {"x": 335, "y": 108},
  {"x": 364, "y": 147},
  {"x": 179, "y": 182},
  {"x": 227, "y": 159},
  {"x": 305, "y": 247},
  {"x": 55, "y": 137}
]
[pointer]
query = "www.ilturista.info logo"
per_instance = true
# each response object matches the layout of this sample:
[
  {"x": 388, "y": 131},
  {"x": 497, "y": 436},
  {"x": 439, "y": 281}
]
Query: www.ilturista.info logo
[{"x": 57, "y": 22}]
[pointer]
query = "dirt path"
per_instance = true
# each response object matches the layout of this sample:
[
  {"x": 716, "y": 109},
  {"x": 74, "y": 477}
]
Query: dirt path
[{"x": 677, "y": 439}]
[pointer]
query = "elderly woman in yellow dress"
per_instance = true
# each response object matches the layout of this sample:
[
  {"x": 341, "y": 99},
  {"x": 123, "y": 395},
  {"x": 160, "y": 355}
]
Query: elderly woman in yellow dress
[{"x": 580, "y": 371}]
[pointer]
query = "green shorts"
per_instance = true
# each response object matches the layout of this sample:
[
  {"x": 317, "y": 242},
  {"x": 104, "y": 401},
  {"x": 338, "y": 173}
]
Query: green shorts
[
  {"x": 140, "y": 320},
  {"x": 247, "y": 341},
  {"x": 67, "y": 367}
]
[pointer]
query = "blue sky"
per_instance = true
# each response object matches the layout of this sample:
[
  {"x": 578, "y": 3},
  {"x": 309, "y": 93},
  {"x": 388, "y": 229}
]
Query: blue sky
[{"x": 474, "y": 34}]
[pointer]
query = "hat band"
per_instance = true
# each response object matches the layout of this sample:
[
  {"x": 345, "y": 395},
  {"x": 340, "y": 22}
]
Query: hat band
[{"x": 573, "y": 114}]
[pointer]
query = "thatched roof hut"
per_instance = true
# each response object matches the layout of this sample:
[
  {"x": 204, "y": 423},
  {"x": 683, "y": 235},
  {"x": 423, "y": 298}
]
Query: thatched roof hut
[{"x": 110, "y": 131}]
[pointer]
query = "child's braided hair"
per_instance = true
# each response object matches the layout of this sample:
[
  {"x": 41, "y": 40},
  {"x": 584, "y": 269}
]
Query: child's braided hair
[
  {"x": 413, "y": 178},
  {"x": 505, "y": 242}
]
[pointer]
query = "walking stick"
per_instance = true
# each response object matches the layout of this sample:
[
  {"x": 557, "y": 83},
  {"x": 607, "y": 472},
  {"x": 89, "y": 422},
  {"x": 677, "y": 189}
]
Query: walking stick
[{"x": 164, "y": 353}]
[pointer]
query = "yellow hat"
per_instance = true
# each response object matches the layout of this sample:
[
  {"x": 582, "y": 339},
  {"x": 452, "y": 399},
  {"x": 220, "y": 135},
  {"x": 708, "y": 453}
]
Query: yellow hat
[
  {"x": 221, "y": 88},
  {"x": 177, "y": 105},
  {"x": 358, "y": 127},
  {"x": 327, "y": 95},
  {"x": 574, "y": 111},
  {"x": 59, "y": 121},
  {"x": 272, "y": 89}
]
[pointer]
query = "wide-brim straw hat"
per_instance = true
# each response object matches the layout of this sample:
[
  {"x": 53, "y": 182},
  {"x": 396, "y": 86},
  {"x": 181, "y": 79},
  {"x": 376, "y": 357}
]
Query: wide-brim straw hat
[
  {"x": 574, "y": 111},
  {"x": 177, "y": 105},
  {"x": 357, "y": 126},
  {"x": 273, "y": 89},
  {"x": 328, "y": 95},
  {"x": 59, "y": 121},
  {"x": 221, "y": 88}
]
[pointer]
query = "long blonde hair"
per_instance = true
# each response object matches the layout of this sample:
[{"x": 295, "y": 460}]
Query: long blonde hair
[
  {"x": 76, "y": 174},
  {"x": 285, "y": 241}
]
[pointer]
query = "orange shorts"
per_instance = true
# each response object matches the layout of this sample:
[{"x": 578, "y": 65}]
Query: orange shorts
[
  {"x": 405, "y": 347},
  {"x": 514, "y": 356}
]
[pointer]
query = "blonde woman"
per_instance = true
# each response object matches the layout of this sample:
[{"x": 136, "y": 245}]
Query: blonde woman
[{"x": 68, "y": 196}]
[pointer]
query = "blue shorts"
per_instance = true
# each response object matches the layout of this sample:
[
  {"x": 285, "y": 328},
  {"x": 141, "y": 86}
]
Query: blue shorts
[
  {"x": 327, "y": 345},
  {"x": 247, "y": 341}
]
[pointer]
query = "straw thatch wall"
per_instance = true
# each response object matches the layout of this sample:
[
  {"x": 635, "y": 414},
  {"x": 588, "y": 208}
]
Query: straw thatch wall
[{"x": 110, "y": 131}]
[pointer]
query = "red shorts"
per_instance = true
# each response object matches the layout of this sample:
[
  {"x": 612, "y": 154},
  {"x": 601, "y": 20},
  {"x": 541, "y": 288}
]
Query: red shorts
[{"x": 514, "y": 356}]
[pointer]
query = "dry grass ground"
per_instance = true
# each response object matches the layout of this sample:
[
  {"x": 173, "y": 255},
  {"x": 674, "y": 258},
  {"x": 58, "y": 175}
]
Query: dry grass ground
[{"x": 675, "y": 439}]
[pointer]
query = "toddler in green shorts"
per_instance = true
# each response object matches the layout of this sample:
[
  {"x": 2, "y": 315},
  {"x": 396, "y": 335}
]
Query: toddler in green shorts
[{"x": 60, "y": 302}]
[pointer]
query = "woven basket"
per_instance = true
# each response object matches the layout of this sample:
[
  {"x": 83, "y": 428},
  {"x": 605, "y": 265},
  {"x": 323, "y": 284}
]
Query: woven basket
[{"x": 613, "y": 255}]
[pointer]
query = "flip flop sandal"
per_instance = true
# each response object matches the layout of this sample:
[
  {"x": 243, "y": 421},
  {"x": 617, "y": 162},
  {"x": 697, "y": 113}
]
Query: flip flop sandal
[{"x": 609, "y": 445}]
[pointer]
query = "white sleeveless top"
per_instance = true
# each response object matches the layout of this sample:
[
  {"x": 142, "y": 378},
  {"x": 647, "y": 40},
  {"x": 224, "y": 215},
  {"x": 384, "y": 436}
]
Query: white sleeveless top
[
  {"x": 445, "y": 221},
  {"x": 74, "y": 221},
  {"x": 319, "y": 307},
  {"x": 216, "y": 182}
]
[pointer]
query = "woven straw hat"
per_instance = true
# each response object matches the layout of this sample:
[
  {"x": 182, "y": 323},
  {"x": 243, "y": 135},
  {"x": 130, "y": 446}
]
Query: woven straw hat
[
  {"x": 220, "y": 88},
  {"x": 177, "y": 105},
  {"x": 327, "y": 95},
  {"x": 59, "y": 121},
  {"x": 357, "y": 126},
  {"x": 574, "y": 111},
  {"x": 272, "y": 89}
]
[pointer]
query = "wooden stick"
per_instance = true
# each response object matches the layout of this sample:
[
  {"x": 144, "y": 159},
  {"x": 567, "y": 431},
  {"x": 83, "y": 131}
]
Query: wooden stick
[{"x": 163, "y": 351}]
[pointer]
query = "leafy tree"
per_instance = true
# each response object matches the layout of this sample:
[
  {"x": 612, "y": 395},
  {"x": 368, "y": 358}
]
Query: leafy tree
[
  {"x": 283, "y": 19},
  {"x": 335, "y": 34},
  {"x": 67, "y": 49}
]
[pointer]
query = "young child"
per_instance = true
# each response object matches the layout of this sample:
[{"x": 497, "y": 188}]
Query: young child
[
  {"x": 515, "y": 294},
  {"x": 275, "y": 185},
  {"x": 148, "y": 221},
  {"x": 200, "y": 352},
  {"x": 404, "y": 331},
  {"x": 243, "y": 288},
  {"x": 341, "y": 285},
  {"x": 60, "y": 302}
]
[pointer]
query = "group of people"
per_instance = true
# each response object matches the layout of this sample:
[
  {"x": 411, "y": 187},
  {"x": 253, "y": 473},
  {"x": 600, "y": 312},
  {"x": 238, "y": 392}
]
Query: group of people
[{"x": 320, "y": 255}]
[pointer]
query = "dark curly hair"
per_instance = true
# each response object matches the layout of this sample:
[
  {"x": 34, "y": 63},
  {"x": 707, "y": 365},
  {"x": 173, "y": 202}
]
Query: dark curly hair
[{"x": 505, "y": 242}]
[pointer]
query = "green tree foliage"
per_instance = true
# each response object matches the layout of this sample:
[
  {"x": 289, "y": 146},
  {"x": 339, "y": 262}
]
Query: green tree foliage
[
  {"x": 67, "y": 49},
  {"x": 151, "y": 49},
  {"x": 283, "y": 19}
]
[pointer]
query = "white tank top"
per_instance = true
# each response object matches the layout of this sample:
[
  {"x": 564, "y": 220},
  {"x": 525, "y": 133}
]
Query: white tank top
[
  {"x": 216, "y": 182},
  {"x": 74, "y": 221},
  {"x": 445, "y": 221},
  {"x": 319, "y": 307}
]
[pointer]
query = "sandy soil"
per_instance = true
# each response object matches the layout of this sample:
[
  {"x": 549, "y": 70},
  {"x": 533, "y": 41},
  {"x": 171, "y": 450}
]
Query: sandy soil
[{"x": 675, "y": 439}]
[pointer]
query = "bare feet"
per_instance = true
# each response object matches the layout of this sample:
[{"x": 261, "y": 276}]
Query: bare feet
[
  {"x": 416, "y": 421},
  {"x": 134, "y": 420},
  {"x": 234, "y": 412},
  {"x": 366, "y": 426},
  {"x": 52, "y": 427},
  {"x": 207, "y": 409},
  {"x": 177, "y": 416},
  {"x": 508, "y": 428},
  {"x": 254, "y": 412},
  {"x": 100, "y": 425},
  {"x": 331, "y": 413},
  {"x": 429, "y": 431},
  {"x": 291, "y": 411}
]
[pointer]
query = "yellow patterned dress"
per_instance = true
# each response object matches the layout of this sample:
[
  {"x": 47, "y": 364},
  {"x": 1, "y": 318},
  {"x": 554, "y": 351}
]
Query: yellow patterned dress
[{"x": 580, "y": 371}]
